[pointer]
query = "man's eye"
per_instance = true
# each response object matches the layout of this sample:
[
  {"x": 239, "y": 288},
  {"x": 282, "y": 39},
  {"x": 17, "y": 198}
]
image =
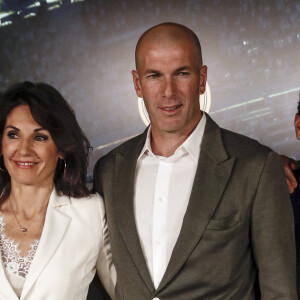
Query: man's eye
[
  {"x": 41, "y": 138},
  {"x": 183, "y": 73},
  {"x": 155, "y": 75},
  {"x": 12, "y": 135}
]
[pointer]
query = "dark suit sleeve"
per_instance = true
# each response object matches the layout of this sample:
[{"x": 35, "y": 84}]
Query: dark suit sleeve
[
  {"x": 96, "y": 289},
  {"x": 97, "y": 178},
  {"x": 272, "y": 233}
]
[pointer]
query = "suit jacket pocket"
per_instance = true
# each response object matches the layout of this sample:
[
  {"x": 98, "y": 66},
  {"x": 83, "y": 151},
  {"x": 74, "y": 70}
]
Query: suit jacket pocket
[{"x": 224, "y": 223}]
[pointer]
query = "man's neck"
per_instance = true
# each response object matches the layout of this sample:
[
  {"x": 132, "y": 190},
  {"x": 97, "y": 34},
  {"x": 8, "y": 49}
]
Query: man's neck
[{"x": 166, "y": 143}]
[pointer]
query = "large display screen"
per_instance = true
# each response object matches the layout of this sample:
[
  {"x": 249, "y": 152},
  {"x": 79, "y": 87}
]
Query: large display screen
[{"x": 86, "y": 50}]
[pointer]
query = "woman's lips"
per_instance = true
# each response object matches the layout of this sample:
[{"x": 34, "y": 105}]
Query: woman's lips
[{"x": 25, "y": 164}]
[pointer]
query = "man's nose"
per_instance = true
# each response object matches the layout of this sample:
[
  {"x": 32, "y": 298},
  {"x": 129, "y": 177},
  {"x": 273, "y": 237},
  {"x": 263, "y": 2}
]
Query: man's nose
[{"x": 169, "y": 87}]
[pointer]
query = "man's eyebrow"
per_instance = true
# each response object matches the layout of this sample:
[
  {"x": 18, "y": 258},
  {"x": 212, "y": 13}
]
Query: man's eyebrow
[
  {"x": 152, "y": 71},
  {"x": 184, "y": 68}
]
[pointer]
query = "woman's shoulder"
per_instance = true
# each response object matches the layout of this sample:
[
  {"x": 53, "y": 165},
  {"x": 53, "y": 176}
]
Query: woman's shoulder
[
  {"x": 90, "y": 205},
  {"x": 91, "y": 200},
  {"x": 87, "y": 213},
  {"x": 94, "y": 201}
]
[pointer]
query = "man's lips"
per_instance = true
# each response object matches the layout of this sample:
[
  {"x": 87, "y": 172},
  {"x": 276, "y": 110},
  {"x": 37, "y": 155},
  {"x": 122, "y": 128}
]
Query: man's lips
[{"x": 170, "y": 108}]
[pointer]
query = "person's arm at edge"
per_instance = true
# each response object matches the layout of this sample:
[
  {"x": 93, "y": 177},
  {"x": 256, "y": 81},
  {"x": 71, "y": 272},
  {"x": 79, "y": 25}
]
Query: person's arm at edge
[
  {"x": 290, "y": 165},
  {"x": 272, "y": 233}
]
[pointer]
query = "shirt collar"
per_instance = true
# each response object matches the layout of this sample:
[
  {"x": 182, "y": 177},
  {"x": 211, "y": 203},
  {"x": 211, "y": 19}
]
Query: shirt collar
[
  {"x": 191, "y": 145},
  {"x": 147, "y": 146}
]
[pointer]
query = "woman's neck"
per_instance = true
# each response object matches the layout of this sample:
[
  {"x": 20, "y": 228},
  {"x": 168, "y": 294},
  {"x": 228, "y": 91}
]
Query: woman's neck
[{"x": 29, "y": 200}]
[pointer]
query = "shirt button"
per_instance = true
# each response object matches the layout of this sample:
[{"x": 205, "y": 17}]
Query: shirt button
[
  {"x": 160, "y": 199},
  {"x": 158, "y": 243}
]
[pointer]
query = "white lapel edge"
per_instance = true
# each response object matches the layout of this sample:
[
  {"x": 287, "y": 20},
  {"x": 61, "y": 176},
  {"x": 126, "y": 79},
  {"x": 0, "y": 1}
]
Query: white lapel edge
[{"x": 55, "y": 226}]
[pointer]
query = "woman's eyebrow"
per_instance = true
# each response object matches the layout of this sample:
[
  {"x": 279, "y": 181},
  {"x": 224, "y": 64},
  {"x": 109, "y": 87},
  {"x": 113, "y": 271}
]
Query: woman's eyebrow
[{"x": 13, "y": 127}]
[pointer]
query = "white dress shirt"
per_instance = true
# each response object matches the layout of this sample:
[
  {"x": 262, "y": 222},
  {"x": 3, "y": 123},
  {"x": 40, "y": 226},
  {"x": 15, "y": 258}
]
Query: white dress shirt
[{"x": 162, "y": 190}]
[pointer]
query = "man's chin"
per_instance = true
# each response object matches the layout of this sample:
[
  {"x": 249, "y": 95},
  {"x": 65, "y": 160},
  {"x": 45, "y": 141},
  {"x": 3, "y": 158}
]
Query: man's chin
[{"x": 170, "y": 128}]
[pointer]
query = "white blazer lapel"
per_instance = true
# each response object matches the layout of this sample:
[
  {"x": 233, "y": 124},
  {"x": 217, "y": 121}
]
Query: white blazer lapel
[
  {"x": 6, "y": 291},
  {"x": 56, "y": 223}
]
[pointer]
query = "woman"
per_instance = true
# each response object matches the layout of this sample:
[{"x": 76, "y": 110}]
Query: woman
[{"x": 52, "y": 232}]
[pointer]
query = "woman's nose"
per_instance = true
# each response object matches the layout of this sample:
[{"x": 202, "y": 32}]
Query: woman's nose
[{"x": 25, "y": 147}]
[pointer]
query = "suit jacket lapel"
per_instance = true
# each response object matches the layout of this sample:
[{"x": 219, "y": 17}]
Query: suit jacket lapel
[
  {"x": 213, "y": 171},
  {"x": 56, "y": 224},
  {"x": 123, "y": 205}
]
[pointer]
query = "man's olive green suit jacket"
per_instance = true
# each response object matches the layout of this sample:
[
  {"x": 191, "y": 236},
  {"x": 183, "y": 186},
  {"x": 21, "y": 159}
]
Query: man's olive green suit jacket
[{"x": 236, "y": 240}]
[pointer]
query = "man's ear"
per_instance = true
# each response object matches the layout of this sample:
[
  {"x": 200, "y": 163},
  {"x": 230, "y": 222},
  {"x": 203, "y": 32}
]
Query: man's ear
[
  {"x": 136, "y": 83},
  {"x": 203, "y": 78},
  {"x": 297, "y": 126}
]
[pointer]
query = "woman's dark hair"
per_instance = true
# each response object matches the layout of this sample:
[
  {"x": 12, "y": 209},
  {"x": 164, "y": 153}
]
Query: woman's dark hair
[
  {"x": 51, "y": 111},
  {"x": 299, "y": 106}
]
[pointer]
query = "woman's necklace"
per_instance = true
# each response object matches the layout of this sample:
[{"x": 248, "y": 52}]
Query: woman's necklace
[{"x": 23, "y": 229}]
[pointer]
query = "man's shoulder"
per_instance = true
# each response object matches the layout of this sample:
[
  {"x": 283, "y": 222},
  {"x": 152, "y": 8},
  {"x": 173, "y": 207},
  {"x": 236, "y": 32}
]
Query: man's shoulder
[
  {"x": 124, "y": 148},
  {"x": 235, "y": 144},
  {"x": 241, "y": 145}
]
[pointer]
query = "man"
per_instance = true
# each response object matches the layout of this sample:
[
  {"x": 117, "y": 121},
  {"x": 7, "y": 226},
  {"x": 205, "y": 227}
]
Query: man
[
  {"x": 295, "y": 197},
  {"x": 194, "y": 211}
]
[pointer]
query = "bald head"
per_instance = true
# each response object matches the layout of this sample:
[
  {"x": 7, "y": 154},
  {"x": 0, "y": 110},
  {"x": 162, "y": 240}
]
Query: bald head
[{"x": 164, "y": 34}]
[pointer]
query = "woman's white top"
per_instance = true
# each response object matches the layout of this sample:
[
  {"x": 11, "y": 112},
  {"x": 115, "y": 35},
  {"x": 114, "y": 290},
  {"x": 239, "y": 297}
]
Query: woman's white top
[
  {"x": 16, "y": 266},
  {"x": 74, "y": 244}
]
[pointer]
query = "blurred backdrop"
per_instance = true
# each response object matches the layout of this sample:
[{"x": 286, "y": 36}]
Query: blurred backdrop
[{"x": 86, "y": 50}]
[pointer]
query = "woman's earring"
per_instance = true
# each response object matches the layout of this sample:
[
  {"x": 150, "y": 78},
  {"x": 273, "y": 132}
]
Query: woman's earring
[
  {"x": 63, "y": 165},
  {"x": 65, "y": 170}
]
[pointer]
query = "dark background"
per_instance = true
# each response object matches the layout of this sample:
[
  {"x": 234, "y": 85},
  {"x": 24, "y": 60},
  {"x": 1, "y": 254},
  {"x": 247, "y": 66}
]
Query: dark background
[{"x": 86, "y": 50}]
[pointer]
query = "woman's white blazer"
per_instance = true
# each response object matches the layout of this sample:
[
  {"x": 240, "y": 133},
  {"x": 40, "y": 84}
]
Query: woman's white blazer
[{"x": 74, "y": 242}]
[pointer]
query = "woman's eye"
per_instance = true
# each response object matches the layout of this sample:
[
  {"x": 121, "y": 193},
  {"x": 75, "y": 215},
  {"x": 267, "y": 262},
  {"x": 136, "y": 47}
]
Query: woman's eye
[
  {"x": 12, "y": 135},
  {"x": 41, "y": 138}
]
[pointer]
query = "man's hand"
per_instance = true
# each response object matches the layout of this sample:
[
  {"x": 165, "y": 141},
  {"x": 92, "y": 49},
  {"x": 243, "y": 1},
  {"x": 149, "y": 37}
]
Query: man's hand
[{"x": 289, "y": 166}]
